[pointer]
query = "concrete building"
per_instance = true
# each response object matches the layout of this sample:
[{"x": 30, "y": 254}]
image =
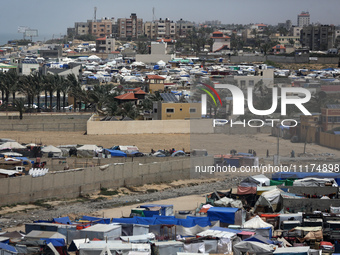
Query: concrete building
[
  {"x": 82, "y": 28},
  {"x": 303, "y": 19},
  {"x": 105, "y": 44},
  {"x": 154, "y": 83},
  {"x": 330, "y": 117},
  {"x": 178, "y": 110},
  {"x": 287, "y": 40},
  {"x": 27, "y": 67},
  {"x": 160, "y": 29},
  {"x": 266, "y": 76},
  {"x": 158, "y": 52},
  {"x": 317, "y": 38},
  {"x": 183, "y": 28},
  {"x": 295, "y": 31},
  {"x": 101, "y": 28},
  {"x": 221, "y": 41},
  {"x": 130, "y": 28}
]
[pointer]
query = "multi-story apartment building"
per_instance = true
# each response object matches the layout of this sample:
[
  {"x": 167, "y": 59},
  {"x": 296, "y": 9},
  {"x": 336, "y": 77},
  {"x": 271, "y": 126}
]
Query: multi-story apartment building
[
  {"x": 303, "y": 19},
  {"x": 105, "y": 44},
  {"x": 82, "y": 28},
  {"x": 183, "y": 28},
  {"x": 316, "y": 38},
  {"x": 160, "y": 29},
  {"x": 130, "y": 28},
  {"x": 287, "y": 40},
  {"x": 101, "y": 28}
]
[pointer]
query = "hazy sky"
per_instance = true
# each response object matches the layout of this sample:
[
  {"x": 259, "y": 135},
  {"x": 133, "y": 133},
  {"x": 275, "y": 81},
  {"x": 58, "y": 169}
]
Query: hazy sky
[{"x": 53, "y": 17}]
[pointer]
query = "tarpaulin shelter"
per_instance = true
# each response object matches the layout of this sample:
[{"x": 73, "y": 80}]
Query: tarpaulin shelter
[
  {"x": 88, "y": 150},
  {"x": 96, "y": 219},
  {"x": 6, "y": 249},
  {"x": 260, "y": 239},
  {"x": 50, "y": 149},
  {"x": 38, "y": 235},
  {"x": 269, "y": 201},
  {"x": 116, "y": 153},
  {"x": 167, "y": 247},
  {"x": 253, "y": 247},
  {"x": 228, "y": 202},
  {"x": 247, "y": 186},
  {"x": 302, "y": 250},
  {"x": 74, "y": 246},
  {"x": 138, "y": 238},
  {"x": 263, "y": 228},
  {"x": 314, "y": 182},
  {"x": 113, "y": 247},
  {"x": 227, "y": 215},
  {"x": 164, "y": 210},
  {"x": 300, "y": 175},
  {"x": 264, "y": 180},
  {"x": 11, "y": 145},
  {"x": 287, "y": 182},
  {"x": 102, "y": 232}
]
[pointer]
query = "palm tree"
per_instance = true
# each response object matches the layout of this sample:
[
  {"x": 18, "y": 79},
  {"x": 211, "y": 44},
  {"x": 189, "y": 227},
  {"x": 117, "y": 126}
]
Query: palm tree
[
  {"x": 19, "y": 105},
  {"x": 65, "y": 88},
  {"x": 26, "y": 88},
  {"x": 37, "y": 86},
  {"x": 74, "y": 89}
]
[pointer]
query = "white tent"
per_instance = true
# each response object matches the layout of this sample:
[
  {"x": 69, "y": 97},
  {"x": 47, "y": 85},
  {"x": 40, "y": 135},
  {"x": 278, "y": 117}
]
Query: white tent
[
  {"x": 271, "y": 198},
  {"x": 161, "y": 63},
  {"x": 51, "y": 149},
  {"x": 228, "y": 202},
  {"x": 256, "y": 222},
  {"x": 88, "y": 150},
  {"x": 11, "y": 145},
  {"x": 93, "y": 57}
]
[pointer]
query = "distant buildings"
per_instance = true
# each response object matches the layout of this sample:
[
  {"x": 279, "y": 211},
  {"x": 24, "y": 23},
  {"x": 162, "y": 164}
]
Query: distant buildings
[
  {"x": 303, "y": 19},
  {"x": 130, "y": 28},
  {"x": 318, "y": 38},
  {"x": 221, "y": 41}
]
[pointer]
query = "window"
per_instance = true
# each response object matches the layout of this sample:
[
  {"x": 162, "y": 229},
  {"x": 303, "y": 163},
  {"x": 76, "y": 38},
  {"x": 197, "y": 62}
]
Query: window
[
  {"x": 155, "y": 110},
  {"x": 192, "y": 110},
  {"x": 243, "y": 83},
  {"x": 180, "y": 109},
  {"x": 170, "y": 110},
  {"x": 330, "y": 119},
  {"x": 251, "y": 82}
]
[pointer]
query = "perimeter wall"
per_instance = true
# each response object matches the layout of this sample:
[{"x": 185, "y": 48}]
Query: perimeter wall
[{"x": 79, "y": 182}]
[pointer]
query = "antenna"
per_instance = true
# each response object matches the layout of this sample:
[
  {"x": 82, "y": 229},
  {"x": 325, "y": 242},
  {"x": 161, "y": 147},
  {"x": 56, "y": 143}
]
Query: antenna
[
  {"x": 153, "y": 14},
  {"x": 95, "y": 14}
]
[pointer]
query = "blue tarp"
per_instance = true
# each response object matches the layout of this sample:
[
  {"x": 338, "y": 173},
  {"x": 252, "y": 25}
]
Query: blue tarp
[
  {"x": 7, "y": 247},
  {"x": 62, "y": 220},
  {"x": 116, "y": 153},
  {"x": 295, "y": 175},
  {"x": 260, "y": 239},
  {"x": 160, "y": 220},
  {"x": 223, "y": 214},
  {"x": 163, "y": 207},
  {"x": 57, "y": 242},
  {"x": 97, "y": 220}
]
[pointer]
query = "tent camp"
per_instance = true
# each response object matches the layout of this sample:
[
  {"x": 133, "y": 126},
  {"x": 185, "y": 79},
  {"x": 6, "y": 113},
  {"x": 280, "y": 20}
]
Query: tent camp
[
  {"x": 264, "y": 180},
  {"x": 51, "y": 150},
  {"x": 168, "y": 247},
  {"x": 247, "y": 186}
]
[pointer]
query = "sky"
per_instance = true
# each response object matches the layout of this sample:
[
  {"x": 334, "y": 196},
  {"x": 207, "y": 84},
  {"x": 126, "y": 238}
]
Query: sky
[{"x": 54, "y": 17}]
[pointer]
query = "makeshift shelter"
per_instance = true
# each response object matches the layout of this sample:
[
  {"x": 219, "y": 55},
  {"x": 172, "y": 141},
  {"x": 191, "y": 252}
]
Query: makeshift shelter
[
  {"x": 247, "y": 186},
  {"x": 264, "y": 180},
  {"x": 302, "y": 250},
  {"x": 226, "y": 215},
  {"x": 74, "y": 246},
  {"x": 228, "y": 202},
  {"x": 269, "y": 201},
  {"x": 300, "y": 175},
  {"x": 253, "y": 247},
  {"x": 52, "y": 151},
  {"x": 260, "y": 239},
  {"x": 315, "y": 182},
  {"x": 88, "y": 150},
  {"x": 115, "y": 153},
  {"x": 168, "y": 247},
  {"x": 102, "y": 232},
  {"x": 260, "y": 227},
  {"x": 6, "y": 249},
  {"x": 157, "y": 209},
  {"x": 38, "y": 235},
  {"x": 111, "y": 247},
  {"x": 138, "y": 238}
]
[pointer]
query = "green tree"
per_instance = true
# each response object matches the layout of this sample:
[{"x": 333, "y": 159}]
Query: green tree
[{"x": 19, "y": 105}]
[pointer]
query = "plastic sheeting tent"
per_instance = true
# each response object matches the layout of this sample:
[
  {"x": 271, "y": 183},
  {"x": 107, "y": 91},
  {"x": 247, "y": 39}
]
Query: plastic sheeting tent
[
  {"x": 314, "y": 182},
  {"x": 51, "y": 149},
  {"x": 226, "y": 215},
  {"x": 95, "y": 248},
  {"x": 88, "y": 150},
  {"x": 263, "y": 228},
  {"x": 270, "y": 199},
  {"x": 253, "y": 247},
  {"x": 11, "y": 145}
]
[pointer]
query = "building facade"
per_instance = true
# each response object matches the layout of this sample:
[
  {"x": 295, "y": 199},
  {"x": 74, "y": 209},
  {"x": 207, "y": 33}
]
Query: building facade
[
  {"x": 130, "y": 28},
  {"x": 160, "y": 29},
  {"x": 101, "y": 28},
  {"x": 330, "y": 117},
  {"x": 303, "y": 19},
  {"x": 105, "y": 44},
  {"x": 317, "y": 38}
]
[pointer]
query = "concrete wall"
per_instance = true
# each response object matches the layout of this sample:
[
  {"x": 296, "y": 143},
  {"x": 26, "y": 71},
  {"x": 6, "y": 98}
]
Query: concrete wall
[
  {"x": 45, "y": 122},
  {"x": 73, "y": 183},
  {"x": 330, "y": 140},
  {"x": 193, "y": 126}
]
